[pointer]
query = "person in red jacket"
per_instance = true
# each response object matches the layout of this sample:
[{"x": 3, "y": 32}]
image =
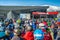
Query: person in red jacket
[
  {"x": 47, "y": 35},
  {"x": 29, "y": 34},
  {"x": 45, "y": 23}
]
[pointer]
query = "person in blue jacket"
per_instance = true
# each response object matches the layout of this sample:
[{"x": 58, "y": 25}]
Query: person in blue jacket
[
  {"x": 10, "y": 27},
  {"x": 38, "y": 34},
  {"x": 33, "y": 26},
  {"x": 2, "y": 29}
]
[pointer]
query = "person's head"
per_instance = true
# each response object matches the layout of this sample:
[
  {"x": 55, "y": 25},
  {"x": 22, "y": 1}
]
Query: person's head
[
  {"x": 6, "y": 22},
  {"x": 7, "y": 32},
  {"x": 52, "y": 25},
  {"x": 29, "y": 28},
  {"x": 41, "y": 25},
  {"x": 17, "y": 32},
  {"x": 41, "y": 21},
  {"x": 10, "y": 21},
  {"x": 47, "y": 30}
]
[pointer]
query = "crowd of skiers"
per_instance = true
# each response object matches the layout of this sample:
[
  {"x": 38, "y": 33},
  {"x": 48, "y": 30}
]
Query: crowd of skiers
[{"x": 24, "y": 29}]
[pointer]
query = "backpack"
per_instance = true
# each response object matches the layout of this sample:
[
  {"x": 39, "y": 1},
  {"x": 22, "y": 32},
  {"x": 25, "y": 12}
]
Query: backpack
[{"x": 38, "y": 34}]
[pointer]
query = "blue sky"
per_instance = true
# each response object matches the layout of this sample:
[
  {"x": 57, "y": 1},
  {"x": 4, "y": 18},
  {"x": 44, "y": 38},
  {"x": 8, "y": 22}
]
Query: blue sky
[{"x": 29, "y": 2}]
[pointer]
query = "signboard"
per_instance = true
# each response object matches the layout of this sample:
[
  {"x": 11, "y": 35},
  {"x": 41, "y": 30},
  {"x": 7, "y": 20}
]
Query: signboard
[
  {"x": 52, "y": 13},
  {"x": 38, "y": 13},
  {"x": 25, "y": 15}
]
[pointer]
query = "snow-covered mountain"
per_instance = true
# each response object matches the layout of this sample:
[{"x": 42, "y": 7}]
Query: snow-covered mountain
[{"x": 52, "y": 8}]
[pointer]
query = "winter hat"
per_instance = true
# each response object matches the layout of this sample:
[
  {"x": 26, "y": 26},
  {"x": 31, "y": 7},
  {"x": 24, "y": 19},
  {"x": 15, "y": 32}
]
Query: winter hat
[{"x": 41, "y": 25}]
